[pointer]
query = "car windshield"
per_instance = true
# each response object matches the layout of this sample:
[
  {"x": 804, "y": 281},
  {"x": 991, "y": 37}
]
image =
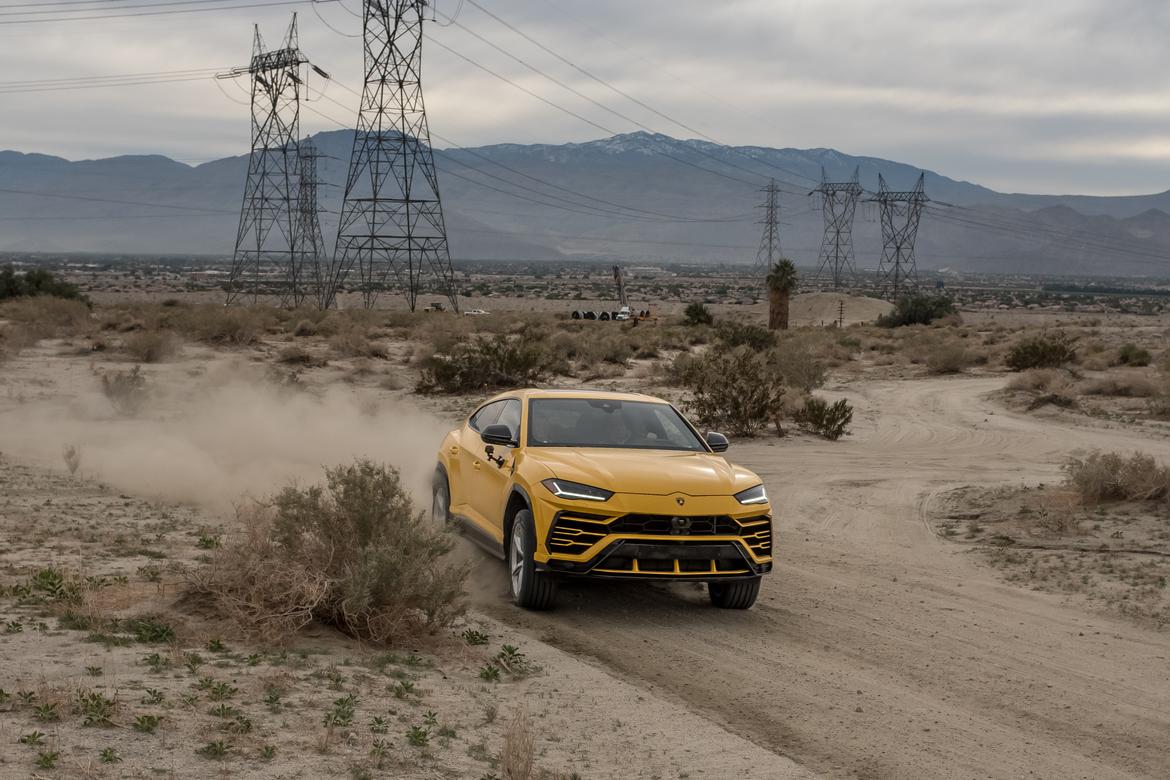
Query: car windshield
[{"x": 598, "y": 422}]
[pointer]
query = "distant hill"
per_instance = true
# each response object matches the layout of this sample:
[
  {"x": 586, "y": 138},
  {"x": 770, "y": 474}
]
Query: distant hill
[{"x": 637, "y": 197}]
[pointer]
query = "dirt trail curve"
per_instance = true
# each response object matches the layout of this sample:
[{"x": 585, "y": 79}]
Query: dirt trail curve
[{"x": 879, "y": 649}]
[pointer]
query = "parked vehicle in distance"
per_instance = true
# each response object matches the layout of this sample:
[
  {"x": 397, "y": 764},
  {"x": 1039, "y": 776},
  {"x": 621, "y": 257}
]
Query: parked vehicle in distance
[
  {"x": 603, "y": 484},
  {"x": 475, "y": 313}
]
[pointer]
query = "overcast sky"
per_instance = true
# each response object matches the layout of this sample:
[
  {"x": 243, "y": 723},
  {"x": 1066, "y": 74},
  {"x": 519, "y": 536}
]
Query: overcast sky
[{"x": 1048, "y": 96}]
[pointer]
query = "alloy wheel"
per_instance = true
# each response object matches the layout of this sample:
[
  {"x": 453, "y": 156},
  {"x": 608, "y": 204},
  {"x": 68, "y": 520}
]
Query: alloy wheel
[{"x": 517, "y": 559}]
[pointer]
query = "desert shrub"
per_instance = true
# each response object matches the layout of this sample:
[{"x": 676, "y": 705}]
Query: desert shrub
[
  {"x": 1111, "y": 476},
  {"x": 151, "y": 346},
  {"x": 1047, "y": 350},
  {"x": 355, "y": 342},
  {"x": 305, "y": 328},
  {"x": 126, "y": 390},
  {"x": 482, "y": 363},
  {"x": 518, "y": 759},
  {"x": 947, "y": 358},
  {"x": 738, "y": 391},
  {"x": 36, "y": 281},
  {"x": 1040, "y": 380},
  {"x": 1123, "y": 387},
  {"x": 824, "y": 419},
  {"x": 43, "y": 316},
  {"x": 917, "y": 308},
  {"x": 226, "y": 325},
  {"x": 296, "y": 356},
  {"x": 697, "y": 314},
  {"x": 1133, "y": 355},
  {"x": 798, "y": 364},
  {"x": 745, "y": 334},
  {"x": 353, "y": 553}
]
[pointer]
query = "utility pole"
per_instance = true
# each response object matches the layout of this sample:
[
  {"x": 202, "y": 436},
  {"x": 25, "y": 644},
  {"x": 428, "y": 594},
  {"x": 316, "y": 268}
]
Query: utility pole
[
  {"x": 900, "y": 215},
  {"x": 310, "y": 245},
  {"x": 839, "y": 205},
  {"x": 267, "y": 231},
  {"x": 392, "y": 218},
  {"x": 769, "y": 252}
]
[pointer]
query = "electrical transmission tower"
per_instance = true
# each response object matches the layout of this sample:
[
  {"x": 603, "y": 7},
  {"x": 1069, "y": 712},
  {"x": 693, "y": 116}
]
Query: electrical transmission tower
[
  {"x": 839, "y": 205},
  {"x": 392, "y": 218},
  {"x": 310, "y": 246},
  {"x": 267, "y": 232},
  {"x": 900, "y": 214},
  {"x": 769, "y": 252}
]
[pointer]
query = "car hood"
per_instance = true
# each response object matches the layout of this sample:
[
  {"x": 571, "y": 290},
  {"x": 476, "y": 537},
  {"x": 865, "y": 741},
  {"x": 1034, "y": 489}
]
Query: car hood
[{"x": 648, "y": 472}]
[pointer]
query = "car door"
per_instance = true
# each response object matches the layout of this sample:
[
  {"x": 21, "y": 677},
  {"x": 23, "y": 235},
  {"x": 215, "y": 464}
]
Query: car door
[
  {"x": 488, "y": 481},
  {"x": 470, "y": 454}
]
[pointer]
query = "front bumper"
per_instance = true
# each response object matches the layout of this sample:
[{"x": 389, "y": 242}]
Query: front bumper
[{"x": 653, "y": 546}]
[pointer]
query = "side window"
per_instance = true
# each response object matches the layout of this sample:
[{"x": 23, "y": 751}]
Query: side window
[
  {"x": 510, "y": 416},
  {"x": 487, "y": 415}
]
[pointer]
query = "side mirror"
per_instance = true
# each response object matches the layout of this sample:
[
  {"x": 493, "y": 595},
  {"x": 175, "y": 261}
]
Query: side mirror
[
  {"x": 717, "y": 441},
  {"x": 498, "y": 434}
]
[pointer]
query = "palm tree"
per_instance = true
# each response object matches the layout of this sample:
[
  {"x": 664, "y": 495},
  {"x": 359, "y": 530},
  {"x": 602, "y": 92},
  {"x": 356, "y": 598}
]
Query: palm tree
[{"x": 781, "y": 282}]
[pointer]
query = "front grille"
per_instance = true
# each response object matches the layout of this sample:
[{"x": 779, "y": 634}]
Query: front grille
[
  {"x": 573, "y": 533},
  {"x": 625, "y": 564}
]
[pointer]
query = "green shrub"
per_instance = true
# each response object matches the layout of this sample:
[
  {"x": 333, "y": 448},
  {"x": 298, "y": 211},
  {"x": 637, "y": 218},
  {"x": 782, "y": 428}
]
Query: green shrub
[
  {"x": 1133, "y": 355},
  {"x": 697, "y": 314},
  {"x": 738, "y": 391},
  {"x": 483, "y": 363},
  {"x": 353, "y": 553},
  {"x": 36, "y": 281},
  {"x": 743, "y": 334},
  {"x": 917, "y": 308},
  {"x": 1047, "y": 350},
  {"x": 824, "y": 419}
]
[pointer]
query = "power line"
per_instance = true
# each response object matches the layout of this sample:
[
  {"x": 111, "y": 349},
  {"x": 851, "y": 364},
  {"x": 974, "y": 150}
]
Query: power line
[
  {"x": 650, "y": 216},
  {"x": 575, "y": 115},
  {"x": 64, "y": 196},
  {"x": 592, "y": 76},
  {"x": 231, "y": 6}
]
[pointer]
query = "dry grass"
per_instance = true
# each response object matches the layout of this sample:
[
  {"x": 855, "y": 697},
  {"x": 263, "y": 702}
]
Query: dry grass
[
  {"x": 43, "y": 317},
  {"x": 518, "y": 759}
]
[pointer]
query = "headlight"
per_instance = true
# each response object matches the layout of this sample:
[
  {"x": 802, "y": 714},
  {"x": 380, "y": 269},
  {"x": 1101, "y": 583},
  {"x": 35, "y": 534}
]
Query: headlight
[
  {"x": 753, "y": 495},
  {"x": 576, "y": 491}
]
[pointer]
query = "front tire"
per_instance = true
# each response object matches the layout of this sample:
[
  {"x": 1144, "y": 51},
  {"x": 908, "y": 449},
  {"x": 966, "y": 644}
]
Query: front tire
[
  {"x": 440, "y": 500},
  {"x": 737, "y": 594},
  {"x": 531, "y": 589}
]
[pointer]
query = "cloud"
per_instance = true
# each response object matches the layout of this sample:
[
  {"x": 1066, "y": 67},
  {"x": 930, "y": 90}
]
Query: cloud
[{"x": 1046, "y": 95}]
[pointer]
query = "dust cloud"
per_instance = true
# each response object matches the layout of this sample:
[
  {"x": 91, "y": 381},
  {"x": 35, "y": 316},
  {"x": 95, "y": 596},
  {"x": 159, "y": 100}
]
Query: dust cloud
[{"x": 224, "y": 436}]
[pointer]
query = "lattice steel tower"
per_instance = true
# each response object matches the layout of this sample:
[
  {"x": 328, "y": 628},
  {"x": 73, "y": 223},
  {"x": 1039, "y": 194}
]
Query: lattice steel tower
[
  {"x": 267, "y": 218},
  {"x": 310, "y": 245},
  {"x": 900, "y": 215},
  {"x": 839, "y": 205},
  {"x": 769, "y": 252},
  {"x": 392, "y": 218}
]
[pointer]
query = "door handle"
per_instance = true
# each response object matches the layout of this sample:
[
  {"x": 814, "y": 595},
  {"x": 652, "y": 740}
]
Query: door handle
[
  {"x": 475, "y": 465},
  {"x": 454, "y": 450}
]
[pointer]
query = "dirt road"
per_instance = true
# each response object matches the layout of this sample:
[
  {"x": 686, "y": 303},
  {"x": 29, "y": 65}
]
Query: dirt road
[{"x": 877, "y": 648}]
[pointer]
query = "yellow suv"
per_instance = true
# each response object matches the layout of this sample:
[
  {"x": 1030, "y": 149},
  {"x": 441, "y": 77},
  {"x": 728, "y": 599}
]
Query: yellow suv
[{"x": 603, "y": 484}]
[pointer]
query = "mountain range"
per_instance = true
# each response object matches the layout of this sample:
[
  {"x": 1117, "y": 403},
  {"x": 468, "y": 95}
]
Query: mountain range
[{"x": 639, "y": 197}]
